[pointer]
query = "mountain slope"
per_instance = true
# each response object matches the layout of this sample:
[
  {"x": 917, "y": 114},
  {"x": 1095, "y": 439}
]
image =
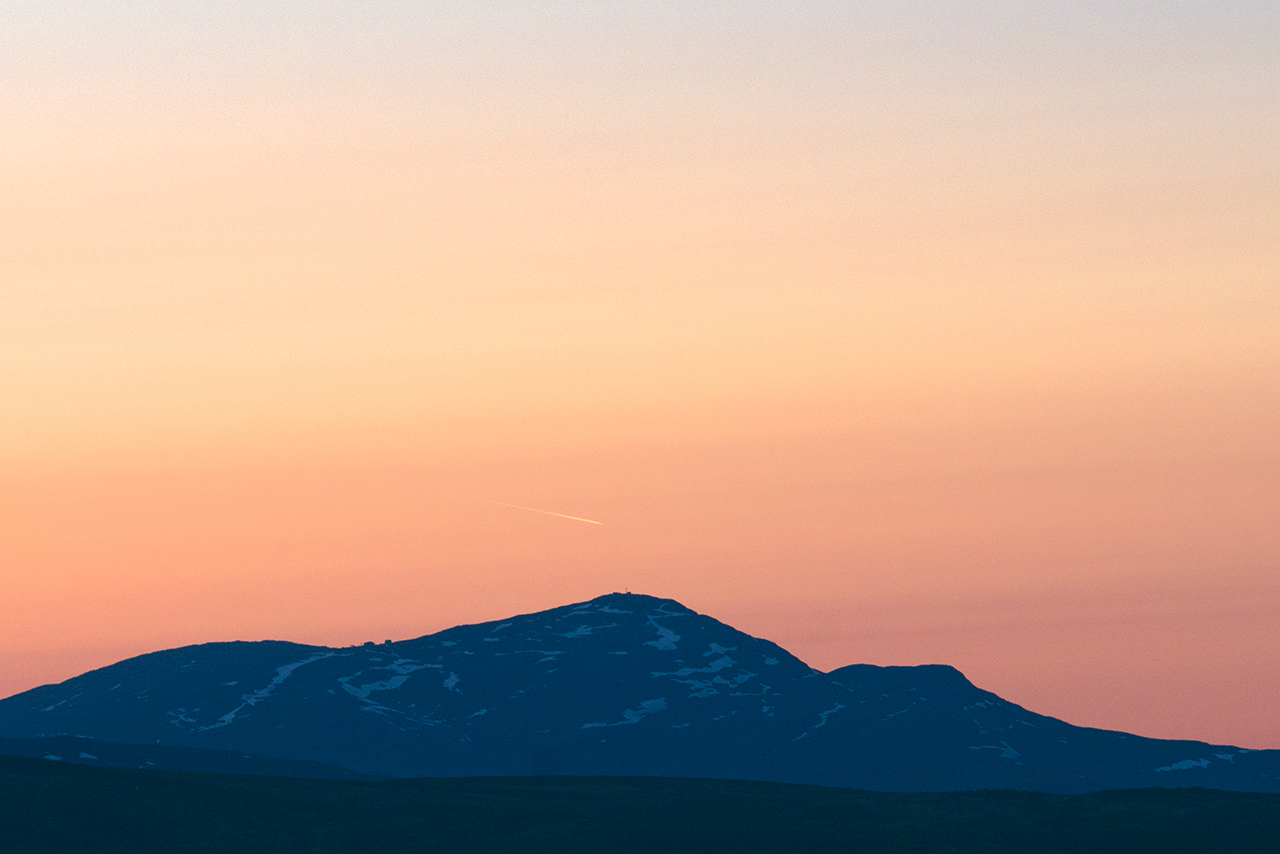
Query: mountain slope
[
  {"x": 621, "y": 685},
  {"x": 73, "y": 750}
]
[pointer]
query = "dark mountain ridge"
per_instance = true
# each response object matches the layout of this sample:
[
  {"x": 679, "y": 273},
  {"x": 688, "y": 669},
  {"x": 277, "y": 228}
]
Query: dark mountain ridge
[{"x": 624, "y": 684}]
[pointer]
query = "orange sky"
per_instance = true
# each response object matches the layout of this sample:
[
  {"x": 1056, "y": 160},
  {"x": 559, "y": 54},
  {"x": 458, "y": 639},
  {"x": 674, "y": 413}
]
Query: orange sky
[{"x": 892, "y": 333}]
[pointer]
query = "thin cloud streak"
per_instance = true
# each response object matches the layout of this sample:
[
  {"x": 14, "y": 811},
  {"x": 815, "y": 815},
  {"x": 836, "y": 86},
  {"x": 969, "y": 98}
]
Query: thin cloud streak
[{"x": 547, "y": 512}]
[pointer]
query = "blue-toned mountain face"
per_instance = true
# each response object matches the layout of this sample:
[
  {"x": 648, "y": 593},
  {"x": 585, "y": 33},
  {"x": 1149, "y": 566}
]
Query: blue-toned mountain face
[{"x": 622, "y": 685}]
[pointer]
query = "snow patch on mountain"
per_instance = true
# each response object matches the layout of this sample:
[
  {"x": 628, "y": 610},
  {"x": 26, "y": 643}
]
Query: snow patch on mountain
[
  {"x": 707, "y": 687},
  {"x": 823, "y": 722},
  {"x": 405, "y": 666},
  {"x": 714, "y": 667},
  {"x": 899, "y": 712},
  {"x": 1185, "y": 765},
  {"x": 584, "y": 631},
  {"x": 667, "y": 639},
  {"x": 248, "y": 700},
  {"x": 181, "y": 717},
  {"x": 1003, "y": 748},
  {"x": 59, "y": 703},
  {"x": 634, "y": 716},
  {"x": 363, "y": 692}
]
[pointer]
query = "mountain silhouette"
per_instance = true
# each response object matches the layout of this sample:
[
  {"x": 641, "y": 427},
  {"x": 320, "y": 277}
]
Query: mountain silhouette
[{"x": 624, "y": 684}]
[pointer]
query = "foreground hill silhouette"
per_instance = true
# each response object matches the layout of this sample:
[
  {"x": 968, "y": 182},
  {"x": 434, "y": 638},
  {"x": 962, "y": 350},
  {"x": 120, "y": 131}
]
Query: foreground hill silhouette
[
  {"x": 53, "y": 807},
  {"x": 621, "y": 685}
]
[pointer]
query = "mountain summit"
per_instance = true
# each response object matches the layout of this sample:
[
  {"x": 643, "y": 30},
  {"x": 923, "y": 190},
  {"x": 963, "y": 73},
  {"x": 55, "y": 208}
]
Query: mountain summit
[{"x": 624, "y": 684}]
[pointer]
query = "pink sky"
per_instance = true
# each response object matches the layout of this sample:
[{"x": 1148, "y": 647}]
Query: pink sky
[{"x": 892, "y": 337}]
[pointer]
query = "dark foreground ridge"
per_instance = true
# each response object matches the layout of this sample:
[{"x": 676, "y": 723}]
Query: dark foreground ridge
[
  {"x": 622, "y": 685},
  {"x": 55, "y": 807}
]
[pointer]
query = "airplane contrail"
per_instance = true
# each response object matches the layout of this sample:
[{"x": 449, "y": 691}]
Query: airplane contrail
[{"x": 548, "y": 512}]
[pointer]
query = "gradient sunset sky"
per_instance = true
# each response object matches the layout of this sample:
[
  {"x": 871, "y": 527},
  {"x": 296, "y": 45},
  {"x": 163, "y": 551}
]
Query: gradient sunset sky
[{"x": 892, "y": 332}]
